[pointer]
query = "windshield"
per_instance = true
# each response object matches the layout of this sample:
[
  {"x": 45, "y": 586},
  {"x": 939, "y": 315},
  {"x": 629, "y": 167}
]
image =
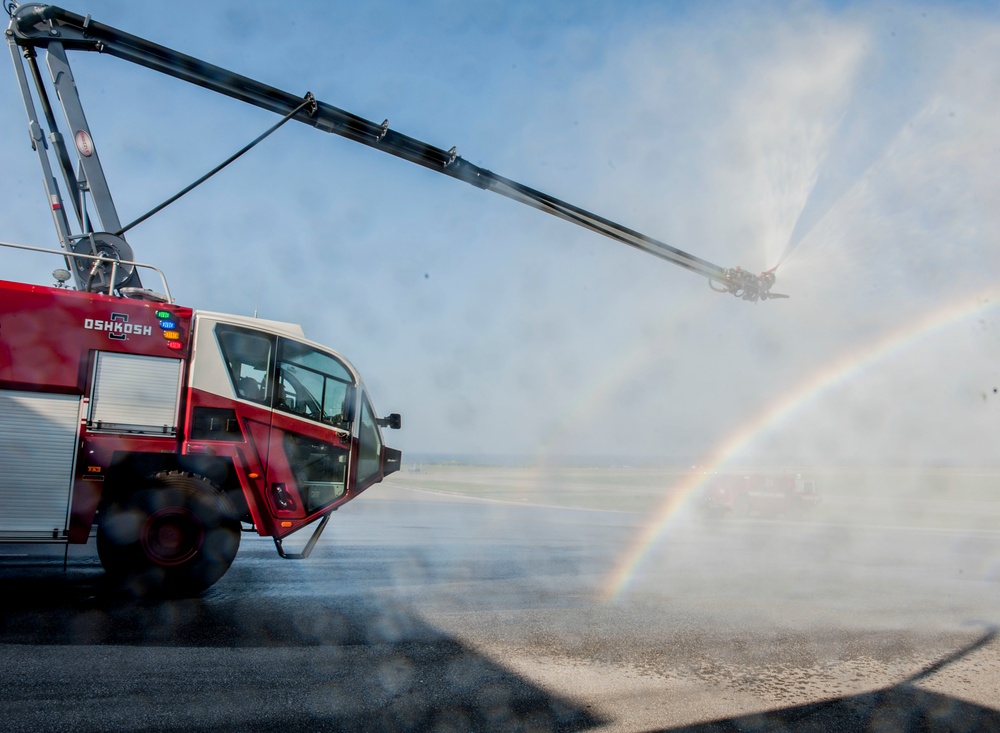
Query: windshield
[{"x": 313, "y": 384}]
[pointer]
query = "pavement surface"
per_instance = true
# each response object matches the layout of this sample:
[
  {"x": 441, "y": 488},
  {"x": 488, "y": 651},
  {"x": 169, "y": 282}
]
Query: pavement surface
[{"x": 423, "y": 611}]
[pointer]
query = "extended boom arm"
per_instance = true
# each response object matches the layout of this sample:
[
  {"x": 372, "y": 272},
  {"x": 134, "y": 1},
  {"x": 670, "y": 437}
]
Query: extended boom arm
[{"x": 33, "y": 26}]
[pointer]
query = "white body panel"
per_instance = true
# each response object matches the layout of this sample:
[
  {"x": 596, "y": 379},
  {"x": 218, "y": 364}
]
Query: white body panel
[{"x": 208, "y": 370}]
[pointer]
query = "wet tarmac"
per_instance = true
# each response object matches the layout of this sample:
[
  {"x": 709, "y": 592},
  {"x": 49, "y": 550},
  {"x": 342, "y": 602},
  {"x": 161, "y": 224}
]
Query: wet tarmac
[{"x": 427, "y": 612}]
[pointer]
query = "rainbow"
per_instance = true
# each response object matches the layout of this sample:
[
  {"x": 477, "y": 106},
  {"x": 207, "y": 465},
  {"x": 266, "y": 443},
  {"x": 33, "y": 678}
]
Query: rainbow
[{"x": 828, "y": 378}]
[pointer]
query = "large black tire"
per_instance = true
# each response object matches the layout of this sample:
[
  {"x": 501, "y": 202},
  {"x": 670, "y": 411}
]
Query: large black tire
[{"x": 176, "y": 536}]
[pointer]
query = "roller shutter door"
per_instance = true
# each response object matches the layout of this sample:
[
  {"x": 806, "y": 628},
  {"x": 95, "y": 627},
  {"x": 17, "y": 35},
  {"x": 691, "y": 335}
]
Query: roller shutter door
[
  {"x": 38, "y": 435},
  {"x": 136, "y": 394}
]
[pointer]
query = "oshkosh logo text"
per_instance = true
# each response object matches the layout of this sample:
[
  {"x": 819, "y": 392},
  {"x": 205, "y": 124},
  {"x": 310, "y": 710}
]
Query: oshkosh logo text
[{"x": 117, "y": 327}]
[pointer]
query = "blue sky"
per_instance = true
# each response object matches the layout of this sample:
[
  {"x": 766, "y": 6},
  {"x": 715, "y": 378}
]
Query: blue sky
[{"x": 861, "y": 138}]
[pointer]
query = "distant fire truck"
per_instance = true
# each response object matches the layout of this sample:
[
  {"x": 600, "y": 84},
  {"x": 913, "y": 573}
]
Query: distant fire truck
[
  {"x": 169, "y": 428},
  {"x": 762, "y": 494}
]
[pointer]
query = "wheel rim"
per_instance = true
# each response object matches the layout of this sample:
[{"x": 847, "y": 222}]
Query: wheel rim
[{"x": 172, "y": 536}]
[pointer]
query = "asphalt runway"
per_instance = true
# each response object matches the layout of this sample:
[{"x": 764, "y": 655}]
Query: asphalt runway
[{"x": 420, "y": 611}]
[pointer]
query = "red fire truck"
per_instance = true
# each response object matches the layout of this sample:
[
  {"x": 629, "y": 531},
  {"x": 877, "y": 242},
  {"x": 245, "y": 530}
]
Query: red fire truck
[
  {"x": 763, "y": 494},
  {"x": 169, "y": 428}
]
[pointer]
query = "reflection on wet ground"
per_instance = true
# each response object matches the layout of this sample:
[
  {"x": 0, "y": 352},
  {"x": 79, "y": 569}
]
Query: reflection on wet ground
[{"x": 445, "y": 615}]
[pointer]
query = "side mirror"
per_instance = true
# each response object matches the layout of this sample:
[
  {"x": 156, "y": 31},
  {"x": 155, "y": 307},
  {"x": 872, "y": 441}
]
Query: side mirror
[{"x": 393, "y": 421}]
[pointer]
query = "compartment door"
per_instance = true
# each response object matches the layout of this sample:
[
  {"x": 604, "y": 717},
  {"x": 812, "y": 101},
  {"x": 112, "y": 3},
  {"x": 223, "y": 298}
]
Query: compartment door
[
  {"x": 135, "y": 394},
  {"x": 38, "y": 434}
]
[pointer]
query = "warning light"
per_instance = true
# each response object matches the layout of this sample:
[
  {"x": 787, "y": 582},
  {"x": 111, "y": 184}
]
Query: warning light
[
  {"x": 175, "y": 345},
  {"x": 164, "y": 314},
  {"x": 286, "y": 524},
  {"x": 171, "y": 335},
  {"x": 168, "y": 324}
]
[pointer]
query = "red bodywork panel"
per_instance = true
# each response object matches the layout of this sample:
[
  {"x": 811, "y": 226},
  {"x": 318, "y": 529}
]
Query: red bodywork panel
[
  {"x": 259, "y": 463},
  {"x": 48, "y": 334},
  {"x": 48, "y": 339},
  {"x": 96, "y": 455}
]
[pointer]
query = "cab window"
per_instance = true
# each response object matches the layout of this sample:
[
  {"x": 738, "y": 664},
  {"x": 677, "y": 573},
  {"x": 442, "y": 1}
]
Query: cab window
[
  {"x": 312, "y": 384},
  {"x": 369, "y": 445},
  {"x": 248, "y": 357}
]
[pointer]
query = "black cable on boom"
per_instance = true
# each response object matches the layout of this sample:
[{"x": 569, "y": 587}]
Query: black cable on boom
[{"x": 309, "y": 101}]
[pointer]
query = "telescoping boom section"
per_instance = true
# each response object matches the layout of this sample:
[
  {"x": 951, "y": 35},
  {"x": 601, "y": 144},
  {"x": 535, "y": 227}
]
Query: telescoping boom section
[{"x": 57, "y": 30}]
